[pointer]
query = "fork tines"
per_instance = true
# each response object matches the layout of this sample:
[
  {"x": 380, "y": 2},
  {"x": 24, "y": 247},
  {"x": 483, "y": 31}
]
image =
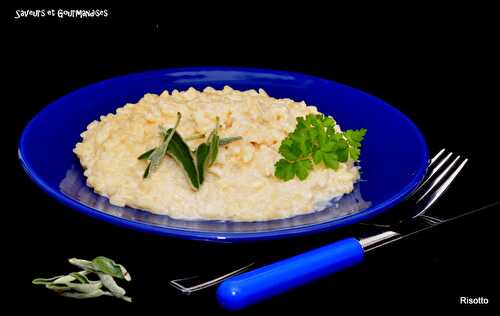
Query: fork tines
[{"x": 443, "y": 169}]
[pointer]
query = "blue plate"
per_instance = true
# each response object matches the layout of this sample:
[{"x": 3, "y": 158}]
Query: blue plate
[{"x": 394, "y": 153}]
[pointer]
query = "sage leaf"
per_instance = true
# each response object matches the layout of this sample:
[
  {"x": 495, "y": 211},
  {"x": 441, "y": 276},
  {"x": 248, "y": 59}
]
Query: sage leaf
[
  {"x": 213, "y": 150},
  {"x": 179, "y": 150},
  {"x": 159, "y": 153},
  {"x": 108, "y": 266},
  {"x": 44, "y": 281},
  {"x": 58, "y": 287},
  {"x": 85, "y": 288},
  {"x": 77, "y": 284},
  {"x": 206, "y": 153},
  {"x": 111, "y": 285},
  {"x": 146, "y": 154},
  {"x": 213, "y": 144},
  {"x": 146, "y": 172},
  {"x": 202, "y": 161},
  {"x": 93, "y": 294},
  {"x": 64, "y": 280},
  {"x": 82, "y": 264},
  {"x": 102, "y": 264},
  {"x": 227, "y": 140},
  {"x": 80, "y": 277}
]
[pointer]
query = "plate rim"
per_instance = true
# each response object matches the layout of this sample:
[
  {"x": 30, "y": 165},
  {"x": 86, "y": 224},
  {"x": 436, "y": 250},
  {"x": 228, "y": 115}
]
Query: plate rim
[{"x": 223, "y": 236}]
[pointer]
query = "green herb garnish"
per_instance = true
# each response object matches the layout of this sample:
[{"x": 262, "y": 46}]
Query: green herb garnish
[
  {"x": 194, "y": 164},
  {"x": 146, "y": 154},
  {"x": 202, "y": 160},
  {"x": 227, "y": 140},
  {"x": 157, "y": 155},
  {"x": 223, "y": 141},
  {"x": 206, "y": 153},
  {"x": 213, "y": 144},
  {"x": 179, "y": 150},
  {"x": 315, "y": 140},
  {"x": 78, "y": 285}
]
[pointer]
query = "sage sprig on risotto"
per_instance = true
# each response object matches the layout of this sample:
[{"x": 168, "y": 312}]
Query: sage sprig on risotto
[
  {"x": 160, "y": 152},
  {"x": 194, "y": 164}
]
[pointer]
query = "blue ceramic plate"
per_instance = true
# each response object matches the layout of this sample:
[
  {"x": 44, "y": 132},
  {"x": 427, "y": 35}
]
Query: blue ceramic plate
[{"x": 394, "y": 154}]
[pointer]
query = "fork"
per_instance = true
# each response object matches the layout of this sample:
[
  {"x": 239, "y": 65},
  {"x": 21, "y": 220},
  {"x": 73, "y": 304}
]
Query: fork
[{"x": 240, "y": 290}]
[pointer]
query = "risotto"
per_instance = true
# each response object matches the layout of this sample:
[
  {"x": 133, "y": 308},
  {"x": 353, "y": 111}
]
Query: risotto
[{"x": 239, "y": 186}]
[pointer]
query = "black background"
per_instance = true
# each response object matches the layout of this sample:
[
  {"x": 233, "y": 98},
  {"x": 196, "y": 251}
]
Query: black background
[{"x": 438, "y": 65}]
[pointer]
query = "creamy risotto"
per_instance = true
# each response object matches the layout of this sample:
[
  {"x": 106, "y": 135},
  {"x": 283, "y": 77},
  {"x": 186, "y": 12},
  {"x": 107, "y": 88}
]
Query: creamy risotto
[{"x": 239, "y": 186}]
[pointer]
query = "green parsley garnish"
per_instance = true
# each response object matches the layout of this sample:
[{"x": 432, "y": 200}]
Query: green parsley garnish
[{"x": 315, "y": 140}]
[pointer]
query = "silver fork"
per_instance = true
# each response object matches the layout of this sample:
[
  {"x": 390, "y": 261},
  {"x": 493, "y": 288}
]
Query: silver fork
[{"x": 443, "y": 168}]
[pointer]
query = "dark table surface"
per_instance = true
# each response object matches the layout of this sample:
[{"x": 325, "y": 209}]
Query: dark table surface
[{"x": 434, "y": 65}]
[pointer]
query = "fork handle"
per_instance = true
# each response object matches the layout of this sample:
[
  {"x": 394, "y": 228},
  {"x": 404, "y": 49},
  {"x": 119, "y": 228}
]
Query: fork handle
[{"x": 254, "y": 286}]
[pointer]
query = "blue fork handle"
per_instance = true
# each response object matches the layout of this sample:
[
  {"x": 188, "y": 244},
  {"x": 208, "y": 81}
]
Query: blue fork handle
[{"x": 254, "y": 286}]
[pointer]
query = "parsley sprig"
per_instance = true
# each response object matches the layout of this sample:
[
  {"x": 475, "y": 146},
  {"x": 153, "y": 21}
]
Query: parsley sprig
[{"x": 315, "y": 141}]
